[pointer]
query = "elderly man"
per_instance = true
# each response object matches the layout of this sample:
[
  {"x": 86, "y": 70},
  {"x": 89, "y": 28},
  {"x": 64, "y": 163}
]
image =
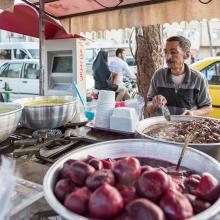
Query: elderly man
[{"x": 182, "y": 89}]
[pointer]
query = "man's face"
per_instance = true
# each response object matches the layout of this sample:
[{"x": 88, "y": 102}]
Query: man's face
[
  {"x": 122, "y": 55},
  {"x": 174, "y": 55}
]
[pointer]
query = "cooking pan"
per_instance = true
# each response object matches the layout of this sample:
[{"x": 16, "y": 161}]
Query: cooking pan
[{"x": 147, "y": 124}]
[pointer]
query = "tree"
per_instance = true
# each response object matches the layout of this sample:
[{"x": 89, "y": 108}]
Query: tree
[{"x": 149, "y": 56}]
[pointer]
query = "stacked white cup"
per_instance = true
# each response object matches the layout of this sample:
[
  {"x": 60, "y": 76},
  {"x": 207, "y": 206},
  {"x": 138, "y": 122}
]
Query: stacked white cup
[{"x": 104, "y": 108}]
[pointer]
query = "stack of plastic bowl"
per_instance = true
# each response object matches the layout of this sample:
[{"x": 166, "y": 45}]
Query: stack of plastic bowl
[{"x": 104, "y": 108}]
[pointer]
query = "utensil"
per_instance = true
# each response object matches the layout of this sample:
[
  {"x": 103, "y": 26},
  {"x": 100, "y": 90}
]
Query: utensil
[
  {"x": 47, "y": 117},
  {"x": 89, "y": 115},
  {"x": 10, "y": 114},
  {"x": 166, "y": 113},
  {"x": 196, "y": 160},
  {"x": 185, "y": 146}
]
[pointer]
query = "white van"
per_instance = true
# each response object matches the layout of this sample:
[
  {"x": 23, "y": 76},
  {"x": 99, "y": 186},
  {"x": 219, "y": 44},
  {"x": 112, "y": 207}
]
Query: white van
[
  {"x": 18, "y": 50},
  {"x": 22, "y": 77}
]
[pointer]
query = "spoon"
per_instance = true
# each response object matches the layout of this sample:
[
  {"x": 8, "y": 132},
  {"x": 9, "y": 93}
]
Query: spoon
[
  {"x": 175, "y": 170},
  {"x": 165, "y": 112},
  {"x": 185, "y": 145},
  {"x": 89, "y": 115}
]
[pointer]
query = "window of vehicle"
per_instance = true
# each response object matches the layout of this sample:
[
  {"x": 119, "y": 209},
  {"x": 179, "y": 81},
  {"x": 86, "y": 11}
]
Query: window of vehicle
[
  {"x": 20, "y": 54},
  {"x": 12, "y": 70},
  {"x": 5, "y": 54},
  {"x": 34, "y": 53},
  {"x": 31, "y": 71},
  {"x": 2, "y": 69},
  {"x": 212, "y": 73},
  {"x": 130, "y": 61}
]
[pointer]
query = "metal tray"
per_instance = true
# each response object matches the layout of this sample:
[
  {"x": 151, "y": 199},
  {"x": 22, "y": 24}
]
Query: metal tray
[
  {"x": 143, "y": 125},
  {"x": 200, "y": 162},
  {"x": 91, "y": 125}
]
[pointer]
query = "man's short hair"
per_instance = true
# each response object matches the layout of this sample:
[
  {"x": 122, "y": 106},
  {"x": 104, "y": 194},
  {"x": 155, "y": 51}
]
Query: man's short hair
[
  {"x": 118, "y": 51},
  {"x": 183, "y": 42}
]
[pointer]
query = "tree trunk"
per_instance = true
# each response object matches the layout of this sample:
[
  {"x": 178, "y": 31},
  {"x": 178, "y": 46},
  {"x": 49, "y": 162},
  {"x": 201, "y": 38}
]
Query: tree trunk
[{"x": 149, "y": 56}]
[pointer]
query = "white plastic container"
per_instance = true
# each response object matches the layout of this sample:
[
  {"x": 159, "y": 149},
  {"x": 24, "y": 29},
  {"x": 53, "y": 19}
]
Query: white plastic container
[
  {"x": 124, "y": 119},
  {"x": 104, "y": 108}
]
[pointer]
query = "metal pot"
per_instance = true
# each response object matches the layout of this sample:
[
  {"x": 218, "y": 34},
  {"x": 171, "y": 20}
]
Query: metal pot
[
  {"x": 47, "y": 117},
  {"x": 145, "y": 125},
  {"x": 10, "y": 115},
  {"x": 139, "y": 148}
]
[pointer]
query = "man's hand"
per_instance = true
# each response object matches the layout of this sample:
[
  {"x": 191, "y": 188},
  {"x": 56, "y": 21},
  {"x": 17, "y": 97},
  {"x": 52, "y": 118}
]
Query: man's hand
[
  {"x": 203, "y": 111},
  {"x": 158, "y": 101},
  {"x": 187, "y": 112}
]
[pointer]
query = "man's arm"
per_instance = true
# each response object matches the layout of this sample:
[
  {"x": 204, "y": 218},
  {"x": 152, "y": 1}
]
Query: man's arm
[
  {"x": 203, "y": 101},
  {"x": 128, "y": 71},
  {"x": 151, "y": 110},
  {"x": 153, "y": 105},
  {"x": 203, "y": 111},
  {"x": 114, "y": 78}
]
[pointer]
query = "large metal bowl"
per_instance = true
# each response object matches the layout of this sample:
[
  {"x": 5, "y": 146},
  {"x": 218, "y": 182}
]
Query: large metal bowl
[
  {"x": 9, "y": 118},
  {"x": 193, "y": 158},
  {"x": 145, "y": 125},
  {"x": 47, "y": 117}
]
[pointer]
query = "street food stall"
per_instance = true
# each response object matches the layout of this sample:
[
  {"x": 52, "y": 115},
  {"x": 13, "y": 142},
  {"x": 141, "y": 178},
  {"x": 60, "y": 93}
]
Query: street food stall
[{"x": 54, "y": 151}]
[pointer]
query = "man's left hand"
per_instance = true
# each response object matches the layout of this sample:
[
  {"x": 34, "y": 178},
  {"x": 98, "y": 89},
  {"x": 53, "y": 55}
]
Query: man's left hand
[{"x": 187, "y": 112}]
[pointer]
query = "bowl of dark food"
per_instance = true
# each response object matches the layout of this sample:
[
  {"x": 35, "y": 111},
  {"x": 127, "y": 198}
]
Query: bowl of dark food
[
  {"x": 47, "y": 112},
  {"x": 10, "y": 115},
  {"x": 134, "y": 179},
  {"x": 206, "y": 131}
]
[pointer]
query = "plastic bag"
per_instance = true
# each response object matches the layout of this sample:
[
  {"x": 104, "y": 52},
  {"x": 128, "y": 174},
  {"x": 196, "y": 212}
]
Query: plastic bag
[
  {"x": 138, "y": 104},
  {"x": 7, "y": 185}
]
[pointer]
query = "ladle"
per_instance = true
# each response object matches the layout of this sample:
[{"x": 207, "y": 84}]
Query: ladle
[
  {"x": 185, "y": 145},
  {"x": 175, "y": 170},
  {"x": 89, "y": 115},
  {"x": 165, "y": 112}
]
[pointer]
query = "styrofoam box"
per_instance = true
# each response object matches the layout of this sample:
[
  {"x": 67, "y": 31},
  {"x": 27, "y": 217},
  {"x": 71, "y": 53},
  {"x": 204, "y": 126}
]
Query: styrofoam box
[{"x": 124, "y": 119}]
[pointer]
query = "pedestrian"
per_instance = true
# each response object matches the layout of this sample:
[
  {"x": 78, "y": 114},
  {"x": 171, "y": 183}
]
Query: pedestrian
[
  {"x": 103, "y": 76},
  {"x": 183, "y": 90},
  {"x": 1, "y": 97},
  {"x": 120, "y": 69}
]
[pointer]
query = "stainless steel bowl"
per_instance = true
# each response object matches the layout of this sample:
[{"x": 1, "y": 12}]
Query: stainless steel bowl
[
  {"x": 47, "y": 117},
  {"x": 139, "y": 148},
  {"x": 144, "y": 125},
  {"x": 10, "y": 115}
]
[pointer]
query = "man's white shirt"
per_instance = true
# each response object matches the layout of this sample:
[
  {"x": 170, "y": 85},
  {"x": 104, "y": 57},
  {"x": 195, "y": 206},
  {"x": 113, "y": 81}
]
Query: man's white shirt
[{"x": 120, "y": 67}]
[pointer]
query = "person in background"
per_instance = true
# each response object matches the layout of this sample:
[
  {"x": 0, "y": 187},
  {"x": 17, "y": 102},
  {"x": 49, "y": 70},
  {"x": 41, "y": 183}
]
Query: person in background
[
  {"x": 192, "y": 59},
  {"x": 120, "y": 69},
  {"x": 1, "y": 97},
  {"x": 103, "y": 76},
  {"x": 182, "y": 89}
]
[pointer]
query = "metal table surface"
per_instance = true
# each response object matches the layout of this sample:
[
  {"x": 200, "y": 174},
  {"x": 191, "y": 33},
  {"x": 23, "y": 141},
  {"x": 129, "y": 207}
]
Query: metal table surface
[{"x": 35, "y": 172}]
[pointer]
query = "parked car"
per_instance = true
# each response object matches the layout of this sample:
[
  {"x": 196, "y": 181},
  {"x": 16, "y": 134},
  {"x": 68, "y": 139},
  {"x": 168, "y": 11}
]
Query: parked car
[
  {"x": 22, "y": 77},
  {"x": 210, "y": 67},
  {"x": 18, "y": 50}
]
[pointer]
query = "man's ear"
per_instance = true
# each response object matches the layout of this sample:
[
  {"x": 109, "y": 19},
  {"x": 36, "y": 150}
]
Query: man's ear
[{"x": 187, "y": 54}]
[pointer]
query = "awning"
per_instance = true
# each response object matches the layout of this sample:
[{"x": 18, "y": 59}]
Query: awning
[
  {"x": 87, "y": 15},
  {"x": 25, "y": 20},
  {"x": 69, "y": 8},
  {"x": 7, "y": 5}
]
